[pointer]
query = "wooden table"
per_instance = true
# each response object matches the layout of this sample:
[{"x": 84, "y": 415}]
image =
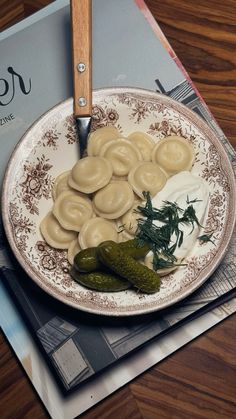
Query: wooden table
[{"x": 199, "y": 381}]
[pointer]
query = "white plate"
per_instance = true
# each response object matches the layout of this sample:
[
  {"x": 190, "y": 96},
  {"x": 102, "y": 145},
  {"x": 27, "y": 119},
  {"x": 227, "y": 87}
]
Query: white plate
[{"x": 49, "y": 147}]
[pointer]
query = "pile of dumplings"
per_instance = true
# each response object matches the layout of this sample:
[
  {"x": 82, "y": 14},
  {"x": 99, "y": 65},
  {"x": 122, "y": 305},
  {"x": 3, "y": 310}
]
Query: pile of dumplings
[{"x": 96, "y": 200}]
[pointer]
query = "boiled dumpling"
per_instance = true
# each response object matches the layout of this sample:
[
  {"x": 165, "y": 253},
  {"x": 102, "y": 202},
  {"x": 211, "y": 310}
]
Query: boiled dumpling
[
  {"x": 73, "y": 249},
  {"x": 90, "y": 174},
  {"x": 72, "y": 210},
  {"x": 122, "y": 154},
  {"x": 113, "y": 200},
  {"x": 147, "y": 176},
  {"x": 97, "y": 230},
  {"x": 54, "y": 234},
  {"x": 144, "y": 143},
  {"x": 123, "y": 235},
  {"x": 174, "y": 154},
  {"x": 61, "y": 184},
  {"x": 129, "y": 220},
  {"x": 100, "y": 137}
]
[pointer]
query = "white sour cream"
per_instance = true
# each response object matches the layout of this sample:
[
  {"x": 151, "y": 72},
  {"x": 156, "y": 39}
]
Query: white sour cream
[{"x": 180, "y": 188}]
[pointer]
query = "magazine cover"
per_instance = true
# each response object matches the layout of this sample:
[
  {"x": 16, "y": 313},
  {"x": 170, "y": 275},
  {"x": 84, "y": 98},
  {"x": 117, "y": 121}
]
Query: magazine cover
[
  {"x": 78, "y": 349},
  {"x": 63, "y": 339}
]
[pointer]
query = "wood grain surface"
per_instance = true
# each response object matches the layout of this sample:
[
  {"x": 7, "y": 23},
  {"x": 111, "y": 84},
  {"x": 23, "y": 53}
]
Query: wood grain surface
[
  {"x": 81, "y": 26},
  {"x": 198, "y": 381}
]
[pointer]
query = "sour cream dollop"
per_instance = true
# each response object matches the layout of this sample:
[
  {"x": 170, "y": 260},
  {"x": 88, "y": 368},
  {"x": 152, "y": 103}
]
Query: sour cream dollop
[{"x": 182, "y": 188}]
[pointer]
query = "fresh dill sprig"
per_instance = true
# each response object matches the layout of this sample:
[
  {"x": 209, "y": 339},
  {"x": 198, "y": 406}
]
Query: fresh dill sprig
[
  {"x": 206, "y": 238},
  {"x": 193, "y": 201},
  {"x": 189, "y": 217},
  {"x": 163, "y": 239},
  {"x": 159, "y": 262}
]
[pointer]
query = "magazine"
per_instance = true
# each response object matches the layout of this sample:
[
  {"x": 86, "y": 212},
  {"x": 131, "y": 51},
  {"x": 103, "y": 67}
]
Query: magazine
[
  {"x": 78, "y": 345},
  {"x": 68, "y": 345}
]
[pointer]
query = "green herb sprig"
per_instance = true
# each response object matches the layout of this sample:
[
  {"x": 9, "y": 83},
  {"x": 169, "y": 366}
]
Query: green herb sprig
[
  {"x": 206, "y": 238},
  {"x": 165, "y": 238}
]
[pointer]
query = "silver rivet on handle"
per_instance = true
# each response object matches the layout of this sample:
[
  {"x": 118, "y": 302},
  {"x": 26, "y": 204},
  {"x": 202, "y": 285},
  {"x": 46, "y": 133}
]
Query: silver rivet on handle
[
  {"x": 81, "y": 67},
  {"x": 82, "y": 101}
]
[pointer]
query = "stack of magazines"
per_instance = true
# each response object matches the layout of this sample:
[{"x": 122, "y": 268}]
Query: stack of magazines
[{"x": 76, "y": 346}]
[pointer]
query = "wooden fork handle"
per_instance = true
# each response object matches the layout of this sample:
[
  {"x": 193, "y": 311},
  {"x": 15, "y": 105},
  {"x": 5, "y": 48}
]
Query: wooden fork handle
[{"x": 81, "y": 23}]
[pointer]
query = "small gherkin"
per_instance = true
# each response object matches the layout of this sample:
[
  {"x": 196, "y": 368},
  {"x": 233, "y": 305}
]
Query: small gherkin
[
  {"x": 140, "y": 276},
  {"x": 101, "y": 281},
  {"x": 87, "y": 260}
]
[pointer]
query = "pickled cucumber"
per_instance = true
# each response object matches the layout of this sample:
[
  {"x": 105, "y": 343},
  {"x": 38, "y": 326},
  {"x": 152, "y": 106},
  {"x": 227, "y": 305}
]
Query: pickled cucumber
[
  {"x": 87, "y": 260},
  {"x": 134, "y": 248},
  {"x": 101, "y": 281},
  {"x": 143, "y": 278}
]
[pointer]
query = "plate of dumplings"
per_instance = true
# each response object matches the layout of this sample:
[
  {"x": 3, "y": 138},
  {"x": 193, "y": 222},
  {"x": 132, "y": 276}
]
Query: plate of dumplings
[{"x": 56, "y": 203}]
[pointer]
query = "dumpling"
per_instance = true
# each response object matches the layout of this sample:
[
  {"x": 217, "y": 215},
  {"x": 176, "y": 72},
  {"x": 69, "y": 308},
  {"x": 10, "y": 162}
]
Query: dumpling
[
  {"x": 61, "y": 184},
  {"x": 144, "y": 143},
  {"x": 97, "y": 230},
  {"x": 122, "y": 154},
  {"x": 147, "y": 176},
  {"x": 71, "y": 210},
  {"x": 73, "y": 249},
  {"x": 123, "y": 235},
  {"x": 90, "y": 174},
  {"x": 129, "y": 220},
  {"x": 174, "y": 154},
  {"x": 113, "y": 200},
  {"x": 100, "y": 137},
  {"x": 54, "y": 234}
]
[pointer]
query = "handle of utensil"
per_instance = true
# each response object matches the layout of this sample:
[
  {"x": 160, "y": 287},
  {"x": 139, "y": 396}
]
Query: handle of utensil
[{"x": 81, "y": 22}]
